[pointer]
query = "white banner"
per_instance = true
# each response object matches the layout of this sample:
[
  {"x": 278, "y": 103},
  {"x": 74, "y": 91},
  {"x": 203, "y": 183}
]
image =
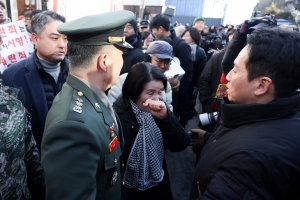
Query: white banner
[{"x": 16, "y": 44}]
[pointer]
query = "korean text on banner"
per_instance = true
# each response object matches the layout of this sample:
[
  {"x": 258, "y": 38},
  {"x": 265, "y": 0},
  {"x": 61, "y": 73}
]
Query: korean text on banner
[{"x": 16, "y": 45}]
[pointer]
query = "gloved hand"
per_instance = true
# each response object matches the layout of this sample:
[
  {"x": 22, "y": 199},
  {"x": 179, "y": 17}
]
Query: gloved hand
[
  {"x": 197, "y": 137},
  {"x": 245, "y": 27},
  {"x": 249, "y": 25}
]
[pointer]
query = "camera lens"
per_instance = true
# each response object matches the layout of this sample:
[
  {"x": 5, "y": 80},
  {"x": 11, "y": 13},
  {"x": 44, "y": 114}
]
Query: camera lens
[{"x": 208, "y": 118}]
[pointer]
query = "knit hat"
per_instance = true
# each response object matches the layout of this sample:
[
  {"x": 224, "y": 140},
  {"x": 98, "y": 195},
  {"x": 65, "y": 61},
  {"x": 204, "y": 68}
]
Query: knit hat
[
  {"x": 134, "y": 25},
  {"x": 197, "y": 19},
  {"x": 160, "y": 49}
]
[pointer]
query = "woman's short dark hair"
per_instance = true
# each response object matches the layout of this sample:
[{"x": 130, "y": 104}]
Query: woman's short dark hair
[
  {"x": 145, "y": 34},
  {"x": 138, "y": 76},
  {"x": 194, "y": 34}
]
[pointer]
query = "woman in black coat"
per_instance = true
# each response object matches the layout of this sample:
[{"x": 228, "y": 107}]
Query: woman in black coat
[
  {"x": 149, "y": 129},
  {"x": 193, "y": 38}
]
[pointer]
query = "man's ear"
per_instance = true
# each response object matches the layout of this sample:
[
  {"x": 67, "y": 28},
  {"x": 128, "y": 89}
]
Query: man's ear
[
  {"x": 160, "y": 29},
  {"x": 263, "y": 86},
  {"x": 102, "y": 62},
  {"x": 34, "y": 38}
]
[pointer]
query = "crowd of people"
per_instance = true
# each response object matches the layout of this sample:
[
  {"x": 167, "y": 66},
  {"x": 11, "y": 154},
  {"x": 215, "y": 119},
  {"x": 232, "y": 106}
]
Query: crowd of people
[{"x": 90, "y": 114}]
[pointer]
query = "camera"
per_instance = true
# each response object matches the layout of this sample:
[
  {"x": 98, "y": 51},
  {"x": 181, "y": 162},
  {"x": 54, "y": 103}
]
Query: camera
[
  {"x": 208, "y": 118},
  {"x": 214, "y": 41},
  {"x": 266, "y": 20}
]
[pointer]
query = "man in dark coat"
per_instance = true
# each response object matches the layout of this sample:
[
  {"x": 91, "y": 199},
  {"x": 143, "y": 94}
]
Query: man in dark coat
[
  {"x": 134, "y": 38},
  {"x": 41, "y": 76},
  {"x": 255, "y": 152},
  {"x": 82, "y": 142},
  {"x": 160, "y": 25}
]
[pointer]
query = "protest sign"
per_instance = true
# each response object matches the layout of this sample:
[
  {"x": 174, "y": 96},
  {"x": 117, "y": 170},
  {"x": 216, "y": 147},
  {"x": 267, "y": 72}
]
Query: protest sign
[{"x": 16, "y": 44}]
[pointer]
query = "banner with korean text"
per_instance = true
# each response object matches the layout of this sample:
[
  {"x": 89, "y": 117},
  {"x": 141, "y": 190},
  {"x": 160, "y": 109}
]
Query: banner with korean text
[{"x": 16, "y": 44}]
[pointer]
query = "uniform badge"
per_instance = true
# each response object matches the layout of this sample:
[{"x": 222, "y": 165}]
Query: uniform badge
[
  {"x": 113, "y": 144},
  {"x": 114, "y": 178},
  {"x": 78, "y": 105},
  {"x": 111, "y": 131},
  {"x": 221, "y": 91}
]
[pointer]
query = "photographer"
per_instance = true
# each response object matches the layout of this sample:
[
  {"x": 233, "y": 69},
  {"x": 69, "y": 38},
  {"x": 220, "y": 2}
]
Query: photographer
[
  {"x": 209, "y": 81},
  {"x": 253, "y": 154}
]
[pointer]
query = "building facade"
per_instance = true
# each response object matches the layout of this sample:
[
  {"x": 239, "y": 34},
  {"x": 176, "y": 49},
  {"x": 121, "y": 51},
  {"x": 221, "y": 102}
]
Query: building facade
[{"x": 182, "y": 11}]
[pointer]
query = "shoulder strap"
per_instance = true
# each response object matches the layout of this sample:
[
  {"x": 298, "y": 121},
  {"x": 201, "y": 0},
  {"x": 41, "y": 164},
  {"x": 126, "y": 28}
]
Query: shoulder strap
[{"x": 176, "y": 41}]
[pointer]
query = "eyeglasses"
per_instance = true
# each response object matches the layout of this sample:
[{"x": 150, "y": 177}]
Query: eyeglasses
[
  {"x": 166, "y": 63},
  {"x": 144, "y": 27},
  {"x": 199, "y": 22}
]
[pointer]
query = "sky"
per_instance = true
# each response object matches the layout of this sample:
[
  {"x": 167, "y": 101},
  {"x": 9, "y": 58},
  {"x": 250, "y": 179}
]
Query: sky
[{"x": 237, "y": 11}]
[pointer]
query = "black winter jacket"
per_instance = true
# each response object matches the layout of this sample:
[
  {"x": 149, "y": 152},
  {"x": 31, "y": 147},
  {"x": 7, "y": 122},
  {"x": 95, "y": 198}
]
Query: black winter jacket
[
  {"x": 37, "y": 89},
  {"x": 132, "y": 56},
  {"x": 182, "y": 51},
  {"x": 253, "y": 155},
  {"x": 198, "y": 65},
  {"x": 209, "y": 80},
  {"x": 174, "y": 136},
  {"x": 232, "y": 51}
]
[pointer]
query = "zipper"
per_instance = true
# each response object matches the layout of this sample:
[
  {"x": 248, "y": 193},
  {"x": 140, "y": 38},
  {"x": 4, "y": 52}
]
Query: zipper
[{"x": 199, "y": 191}]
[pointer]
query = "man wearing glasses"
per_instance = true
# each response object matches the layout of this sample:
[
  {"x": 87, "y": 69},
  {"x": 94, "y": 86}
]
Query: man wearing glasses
[{"x": 159, "y": 53}]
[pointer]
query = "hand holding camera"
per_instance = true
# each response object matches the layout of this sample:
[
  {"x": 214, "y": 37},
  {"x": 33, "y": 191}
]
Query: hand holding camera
[{"x": 249, "y": 25}]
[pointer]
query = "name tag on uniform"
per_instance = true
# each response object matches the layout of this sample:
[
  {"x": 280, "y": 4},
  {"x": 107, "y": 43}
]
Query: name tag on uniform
[{"x": 113, "y": 144}]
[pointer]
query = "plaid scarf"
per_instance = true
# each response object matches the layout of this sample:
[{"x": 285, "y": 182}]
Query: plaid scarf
[{"x": 145, "y": 162}]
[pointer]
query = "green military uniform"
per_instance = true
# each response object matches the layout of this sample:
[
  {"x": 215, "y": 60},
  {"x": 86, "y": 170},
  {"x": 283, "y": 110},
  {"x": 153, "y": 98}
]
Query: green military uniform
[
  {"x": 19, "y": 156},
  {"x": 82, "y": 141}
]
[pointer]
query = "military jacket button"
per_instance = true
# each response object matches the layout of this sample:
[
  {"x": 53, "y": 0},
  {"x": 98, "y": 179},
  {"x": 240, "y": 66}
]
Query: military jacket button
[{"x": 80, "y": 93}]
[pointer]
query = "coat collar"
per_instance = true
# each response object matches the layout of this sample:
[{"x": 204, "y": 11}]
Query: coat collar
[{"x": 239, "y": 114}]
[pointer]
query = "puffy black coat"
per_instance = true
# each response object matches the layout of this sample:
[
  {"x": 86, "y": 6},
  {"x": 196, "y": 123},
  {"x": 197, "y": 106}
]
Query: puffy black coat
[
  {"x": 209, "y": 81},
  {"x": 132, "y": 56},
  {"x": 253, "y": 155},
  {"x": 174, "y": 136},
  {"x": 198, "y": 65},
  {"x": 182, "y": 51}
]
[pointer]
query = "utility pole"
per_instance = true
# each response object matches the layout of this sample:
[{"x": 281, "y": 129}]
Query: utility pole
[
  {"x": 142, "y": 8},
  {"x": 224, "y": 14}
]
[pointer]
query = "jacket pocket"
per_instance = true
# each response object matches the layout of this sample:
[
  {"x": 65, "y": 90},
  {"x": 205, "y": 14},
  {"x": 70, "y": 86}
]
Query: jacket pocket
[{"x": 113, "y": 158}]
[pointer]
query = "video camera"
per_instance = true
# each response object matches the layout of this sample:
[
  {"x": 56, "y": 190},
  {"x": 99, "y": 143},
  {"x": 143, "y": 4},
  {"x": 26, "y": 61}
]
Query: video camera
[
  {"x": 214, "y": 41},
  {"x": 265, "y": 20}
]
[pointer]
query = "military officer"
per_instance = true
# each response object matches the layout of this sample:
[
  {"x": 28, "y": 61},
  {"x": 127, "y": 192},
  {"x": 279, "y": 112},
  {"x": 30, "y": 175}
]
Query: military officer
[{"x": 82, "y": 141}]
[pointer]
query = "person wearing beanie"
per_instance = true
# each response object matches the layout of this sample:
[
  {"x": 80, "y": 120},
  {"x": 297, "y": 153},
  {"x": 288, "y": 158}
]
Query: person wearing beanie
[
  {"x": 199, "y": 23},
  {"x": 134, "y": 38},
  {"x": 3, "y": 14}
]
